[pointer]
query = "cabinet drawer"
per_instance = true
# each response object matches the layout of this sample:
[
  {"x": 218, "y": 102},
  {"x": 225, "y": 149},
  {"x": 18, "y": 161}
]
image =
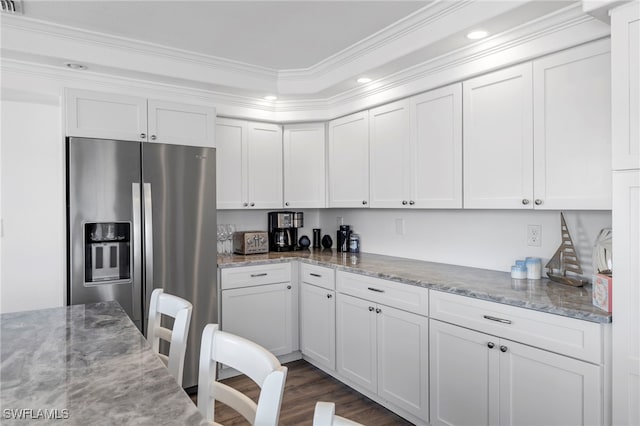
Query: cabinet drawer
[
  {"x": 248, "y": 276},
  {"x": 318, "y": 275},
  {"x": 567, "y": 336},
  {"x": 401, "y": 296}
]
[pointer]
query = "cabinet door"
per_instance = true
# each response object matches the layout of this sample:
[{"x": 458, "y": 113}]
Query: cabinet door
[
  {"x": 231, "y": 164},
  {"x": 106, "y": 116},
  {"x": 572, "y": 132},
  {"x": 436, "y": 148},
  {"x": 262, "y": 314},
  {"x": 180, "y": 124},
  {"x": 318, "y": 324},
  {"x": 463, "y": 376},
  {"x": 264, "y": 166},
  {"x": 304, "y": 166},
  {"x": 625, "y": 86},
  {"x": 356, "y": 353},
  {"x": 349, "y": 161},
  {"x": 542, "y": 388},
  {"x": 626, "y": 298},
  {"x": 403, "y": 354},
  {"x": 389, "y": 155},
  {"x": 498, "y": 139}
]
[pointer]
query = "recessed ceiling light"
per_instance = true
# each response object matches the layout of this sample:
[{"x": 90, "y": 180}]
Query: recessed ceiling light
[
  {"x": 75, "y": 66},
  {"x": 364, "y": 80},
  {"x": 270, "y": 97},
  {"x": 477, "y": 34}
]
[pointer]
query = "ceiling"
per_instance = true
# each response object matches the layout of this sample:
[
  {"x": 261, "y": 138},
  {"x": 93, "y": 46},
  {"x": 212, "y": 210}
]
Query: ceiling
[
  {"x": 297, "y": 49},
  {"x": 272, "y": 34}
]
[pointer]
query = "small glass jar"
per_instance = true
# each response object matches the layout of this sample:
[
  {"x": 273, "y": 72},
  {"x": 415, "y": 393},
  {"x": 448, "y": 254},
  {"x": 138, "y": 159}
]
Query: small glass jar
[
  {"x": 354, "y": 243},
  {"x": 518, "y": 272}
]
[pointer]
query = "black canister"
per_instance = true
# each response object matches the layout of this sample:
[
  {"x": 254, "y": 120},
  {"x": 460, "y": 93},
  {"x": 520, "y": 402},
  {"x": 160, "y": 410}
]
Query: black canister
[
  {"x": 316, "y": 238},
  {"x": 343, "y": 238}
]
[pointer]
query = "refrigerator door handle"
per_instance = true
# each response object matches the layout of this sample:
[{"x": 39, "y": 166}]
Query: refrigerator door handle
[
  {"x": 137, "y": 255},
  {"x": 148, "y": 242}
]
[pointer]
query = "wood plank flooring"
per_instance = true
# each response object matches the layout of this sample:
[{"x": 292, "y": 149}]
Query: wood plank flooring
[{"x": 305, "y": 386}]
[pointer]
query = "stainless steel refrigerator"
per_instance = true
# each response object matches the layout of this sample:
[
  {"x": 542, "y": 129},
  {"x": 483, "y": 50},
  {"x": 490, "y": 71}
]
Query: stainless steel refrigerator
[{"x": 142, "y": 216}]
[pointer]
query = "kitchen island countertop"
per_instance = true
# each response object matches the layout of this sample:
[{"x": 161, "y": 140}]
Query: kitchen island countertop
[
  {"x": 495, "y": 286},
  {"x": 85, "y": 365}
]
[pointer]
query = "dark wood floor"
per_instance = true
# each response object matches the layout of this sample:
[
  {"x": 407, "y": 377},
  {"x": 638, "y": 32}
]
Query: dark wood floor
[{"x": 305, "y": 386}]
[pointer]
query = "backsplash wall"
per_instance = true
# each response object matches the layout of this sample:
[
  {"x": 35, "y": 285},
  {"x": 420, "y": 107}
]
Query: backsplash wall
[{"x": 489, "y": 239}]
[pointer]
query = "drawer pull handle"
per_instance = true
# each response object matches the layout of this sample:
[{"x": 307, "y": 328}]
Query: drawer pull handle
[
  {"x": 502, "y": 320},
  {"x": 377, "y": 290},
  {"x": 264, "y": 274},
  {"x": 315, "y": 275}
]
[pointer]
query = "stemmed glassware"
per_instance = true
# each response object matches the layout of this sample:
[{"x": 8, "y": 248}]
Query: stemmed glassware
[
  {"x": 225, "y": 238},
  {"x": 230, "y": 229}
]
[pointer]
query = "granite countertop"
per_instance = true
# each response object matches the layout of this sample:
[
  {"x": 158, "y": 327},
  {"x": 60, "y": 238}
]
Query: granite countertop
[
  {"x": 85, "y": 365},
  {"x": 540, "y": 295}
]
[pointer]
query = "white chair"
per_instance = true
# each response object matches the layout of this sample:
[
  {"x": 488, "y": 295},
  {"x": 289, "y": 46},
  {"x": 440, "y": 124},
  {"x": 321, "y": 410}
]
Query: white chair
[
  {"x": 180, "y": 310},
  {"x": 248, "y": 358},
  {"x": 325, "y": 415}
]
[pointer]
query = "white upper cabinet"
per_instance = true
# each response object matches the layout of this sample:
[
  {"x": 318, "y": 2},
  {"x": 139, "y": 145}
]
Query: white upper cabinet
[
  {"x": 498, "y": 148},
  {"x": 264, "y": 166},
  {"x": 625, "y": 86},
  {"x": 349, "y": 161},
  {"x": 231, "y": 167},
  {"x": 180, "y": 124},
  {"x": 389, "y": 155},
  {"x": 248, "y": 165},
  {"x": 304, "y": 166},
  {"x": 572, "y": 130},
  {"x": 563, "y": 162},
  {"x": 112, "y": 116},
  {"x": 106, "y": 115},
  {"x": 436, "y": 148}
]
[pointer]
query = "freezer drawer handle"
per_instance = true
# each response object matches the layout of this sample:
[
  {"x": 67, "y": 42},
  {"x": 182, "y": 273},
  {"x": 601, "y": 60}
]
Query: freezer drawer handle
[
  {"x": 315, "y": 275},
  {"x": 502, "y": 320},
  {"x": 264, "y": 274},
  {"x": 377, "y": 290}
]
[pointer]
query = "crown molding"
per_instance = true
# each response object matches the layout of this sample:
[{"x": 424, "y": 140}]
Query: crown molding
[{"x": 562, "y": 29}]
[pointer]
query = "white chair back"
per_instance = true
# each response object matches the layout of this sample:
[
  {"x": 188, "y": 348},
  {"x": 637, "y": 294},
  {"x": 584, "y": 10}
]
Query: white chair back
[
  {"x": 179, "y": 309},
  {"x": 248, "y": 358},
  {"x": 325, "y": 415}
]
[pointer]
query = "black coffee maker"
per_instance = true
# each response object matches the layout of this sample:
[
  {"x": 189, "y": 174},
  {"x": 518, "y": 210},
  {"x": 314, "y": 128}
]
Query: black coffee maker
[
  {"x": 283, "y": 230},
  {"x": 342, "y": 240}
]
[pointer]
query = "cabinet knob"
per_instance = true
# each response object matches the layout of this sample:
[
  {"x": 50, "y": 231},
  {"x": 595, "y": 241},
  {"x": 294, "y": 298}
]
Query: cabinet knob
[
  {"x": 143, "y": 135},
  {"x": 286, "y": 204},
  {"x": 153, "y": 137},
  {"x": 252, "y": 204},
  {"x": 245, "y": 204},
  {"x": 491, "y": 345},
  {"x": 288, "y": 287},
  {"x": 378, "y": 310},
  {"x": 371, "y": 308},
  {"x": 329, "y": 296},
  {"x": 503, "y": 348},
  {"x": 364, "y": 202},
  {"x": 538, "y": 202},
  {"x": 404, "y": 202},
  {"x": 411, "y": 202},
  {"x": 525, "y": 201}
]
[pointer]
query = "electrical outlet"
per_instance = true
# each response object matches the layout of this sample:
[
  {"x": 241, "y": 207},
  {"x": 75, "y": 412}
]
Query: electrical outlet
[
  {"x": 534, "y": 235},
  {"x": 400, "y": 226},
  {"x": 339, "y": 221}
]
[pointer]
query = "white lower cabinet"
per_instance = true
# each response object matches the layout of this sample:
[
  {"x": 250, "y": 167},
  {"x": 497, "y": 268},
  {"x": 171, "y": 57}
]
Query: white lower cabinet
[
  {"x": 259, "y": 303},
  {"x": 479, "y": 377},
  {"x": 318, "y": 315},
  {"x": 382, "y": 349}
]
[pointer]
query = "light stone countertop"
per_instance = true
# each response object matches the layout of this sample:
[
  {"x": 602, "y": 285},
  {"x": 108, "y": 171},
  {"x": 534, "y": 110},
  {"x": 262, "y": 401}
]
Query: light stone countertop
[
  {"x": 85, "y": 365},
  {"x": 540, "y": 295}
]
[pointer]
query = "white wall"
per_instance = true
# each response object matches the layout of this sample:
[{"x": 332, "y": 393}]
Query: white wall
[
  {"x": 33, "y": 272},
  {"x": 489, "y": 239}
]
